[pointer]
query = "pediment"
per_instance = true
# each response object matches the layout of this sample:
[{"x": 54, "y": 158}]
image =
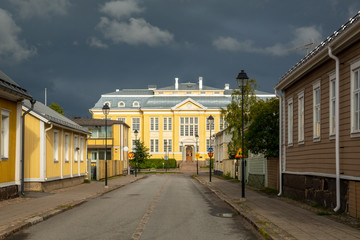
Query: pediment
[{"x": 189, "y": 104}]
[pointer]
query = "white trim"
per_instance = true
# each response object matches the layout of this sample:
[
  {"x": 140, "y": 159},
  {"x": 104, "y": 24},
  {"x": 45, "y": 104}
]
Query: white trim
[
  {"x": 301, "y": 122},
  {"x": 290, "y": 127},
  {"x": 332, "y": 78},
  {"x": 345, "y": 177},
  {"x": 34, "y": 114},
  {"x": 316, "y": 86},
  {"x": 202, "y": 107},
  {"x": 18, "y": 143},
  {"x": 7, "y": 184},
  {"x": 6, "y": 150},
  {"x": 354, "y": 67},
  {"x": 56, "y": 145},
  {"x": 42, "y": 150},
  {"x": 61, "y": 154}
]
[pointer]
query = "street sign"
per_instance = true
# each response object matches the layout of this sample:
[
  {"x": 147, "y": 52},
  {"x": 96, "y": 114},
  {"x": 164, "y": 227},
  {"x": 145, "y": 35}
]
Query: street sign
[
  {"x": 238, "y": 154},
  {"x": 197, "y": 155},
  {"x": 210, "y": 150},
  {"x": 131, "y": 155},
  {"x": 211, "y": 154}
]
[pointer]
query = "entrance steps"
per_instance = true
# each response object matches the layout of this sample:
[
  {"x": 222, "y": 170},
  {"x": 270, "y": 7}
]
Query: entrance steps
[{"x": 189, "y": 166}]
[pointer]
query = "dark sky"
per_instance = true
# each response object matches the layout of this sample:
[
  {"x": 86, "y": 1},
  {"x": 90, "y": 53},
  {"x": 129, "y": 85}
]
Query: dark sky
[{"x": 80, "y": 49}]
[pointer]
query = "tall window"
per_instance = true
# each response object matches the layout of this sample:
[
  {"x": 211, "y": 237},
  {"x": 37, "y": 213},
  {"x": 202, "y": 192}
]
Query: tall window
[
  {"x": 167, "y": 124},
  {"x": 76, "y": 150},
  {"x": 122, "y": 119},
  {"x": 223, "y": 123},
  {"x": 56, "y": 146},
  {"x": 332, "y": 105},
  {"x": 355, "y": 97},
  {"x": 154, "y": 124},
  {"x": 167, "y": 145},
  {"x": 189, "y": 126},
  {"x": 208, "y": 125},
  {"x": 301, "y": 117},
  {"x": 5, "y": 135},
  {"x": 133, "y": 145},
  {"x": 81, "y": 149},
  {"x": 67, "y": 146},
  {"x": 316, "y": 109},
  {"x": 136, "y": 124},
  {"x": 208, "y": 143},
  {"x": 154, "y": 145},
  {"x": 290, "y": 121}
]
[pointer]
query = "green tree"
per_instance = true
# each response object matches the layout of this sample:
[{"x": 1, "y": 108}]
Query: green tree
[
  {"x": 262, "y": 135},
  {"x": 141, "y": 152},
  {"x": 57, "y": 108},
  {"x": 233, "y": 115}
]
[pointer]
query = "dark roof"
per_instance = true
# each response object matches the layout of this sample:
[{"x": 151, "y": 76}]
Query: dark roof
[
  {"x": 96, "y": 122},
  {"x": 9, "y": 85}
]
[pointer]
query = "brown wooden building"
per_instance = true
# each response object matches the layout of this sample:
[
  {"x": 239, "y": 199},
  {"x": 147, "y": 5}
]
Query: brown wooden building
[{"x": 320, "y": 123}]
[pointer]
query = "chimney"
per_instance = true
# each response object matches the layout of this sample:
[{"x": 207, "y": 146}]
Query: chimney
[
  {"x": 176, "y": 83},
  {"x": 227, "y": 86},
  {"x": 200, "y": 83},
  {"x": 117, "y": 90}
]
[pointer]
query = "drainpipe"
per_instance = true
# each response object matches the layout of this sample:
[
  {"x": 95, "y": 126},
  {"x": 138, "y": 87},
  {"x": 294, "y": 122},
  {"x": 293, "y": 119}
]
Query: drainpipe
[
  {"x": 280, "y": 143},
  {"x": 32, "y": 101},
  {"x": 44, "y": 168},
  {"x": 337, "y": 148}
]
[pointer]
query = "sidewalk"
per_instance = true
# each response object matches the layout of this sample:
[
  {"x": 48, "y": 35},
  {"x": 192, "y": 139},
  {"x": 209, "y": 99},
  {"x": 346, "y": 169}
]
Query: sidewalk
[
  {"x": 277, "y": 219},
  {"x": 18, "y": 213}
]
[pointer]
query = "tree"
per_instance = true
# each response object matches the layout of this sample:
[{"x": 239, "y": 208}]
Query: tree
[
  {"x": 262, "y": 135},
  {"x": 57, "y": 108},
  {"x": 141, "y": 152},
  {"x": 233, "y": 115}
]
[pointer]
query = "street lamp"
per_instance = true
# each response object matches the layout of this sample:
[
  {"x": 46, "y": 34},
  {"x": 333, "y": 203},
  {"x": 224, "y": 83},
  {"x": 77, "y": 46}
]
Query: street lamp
[
  {"x": 197, "y": 154},
  {"x": 211, "y": 120},
  {"x": 136, "y": 134},
  {"x": 106, "y": 110},
  {"x": 242, "y": 79}
]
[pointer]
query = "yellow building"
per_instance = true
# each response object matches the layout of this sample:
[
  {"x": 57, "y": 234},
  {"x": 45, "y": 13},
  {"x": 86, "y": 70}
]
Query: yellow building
[
  {"x": 55, "y": 149},
  {"x": 117, "y": 140},
  {"x": 169, "y": 118},
  {"x": 11, "y": 97}
]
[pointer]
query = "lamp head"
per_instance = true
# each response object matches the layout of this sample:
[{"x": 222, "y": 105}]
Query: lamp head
[
  {"x": 211, "y": 119},
  {"x": 242, "y": 78},
  {"x": 106, "y": 109}
]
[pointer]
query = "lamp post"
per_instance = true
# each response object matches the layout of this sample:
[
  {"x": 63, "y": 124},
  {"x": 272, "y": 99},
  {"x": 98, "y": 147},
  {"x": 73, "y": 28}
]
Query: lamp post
[
  {"x": 242, "y": 82},
  {"x": 106, "y": 110},
  {"x": 197, "y": 154},
  {"x": 136, "y": 134},
  {"x": 211, "y": 120}
]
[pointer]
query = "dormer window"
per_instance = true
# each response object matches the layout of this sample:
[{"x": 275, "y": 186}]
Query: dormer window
[
  {"x": 108, "y": 103},
  {"x": 121, "y": 104},
  {"x": 136, "y": 104}
]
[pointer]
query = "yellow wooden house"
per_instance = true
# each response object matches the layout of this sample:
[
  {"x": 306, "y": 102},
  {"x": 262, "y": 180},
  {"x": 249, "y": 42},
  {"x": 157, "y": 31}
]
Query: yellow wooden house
[
  {"x": 169, "y": 119},
  {"x": 11, "y": 97},
  {"x": 55, "y": 150}
]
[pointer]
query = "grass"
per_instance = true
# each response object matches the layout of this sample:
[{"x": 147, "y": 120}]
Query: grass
[
  {"x": 66, "y": 206},
  {"x": 87, "y": 181},
  {"x": 322, "y": 213}
]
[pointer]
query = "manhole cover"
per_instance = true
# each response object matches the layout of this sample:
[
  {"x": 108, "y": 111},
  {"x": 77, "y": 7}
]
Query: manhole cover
[{"x": 226, "y": 215}]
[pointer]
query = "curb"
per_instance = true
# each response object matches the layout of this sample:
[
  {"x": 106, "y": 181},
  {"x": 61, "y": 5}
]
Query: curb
[
  {"x": 35, "y": 219},
  {"x": 267, "y": 229}
]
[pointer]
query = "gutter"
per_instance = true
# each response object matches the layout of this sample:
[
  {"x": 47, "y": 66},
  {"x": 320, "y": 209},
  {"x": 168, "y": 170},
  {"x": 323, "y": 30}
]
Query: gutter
[
  {"x": 280, "y": 142},
  {"x": 32, "y": 101},
  {"x": 337, "y": 148}
]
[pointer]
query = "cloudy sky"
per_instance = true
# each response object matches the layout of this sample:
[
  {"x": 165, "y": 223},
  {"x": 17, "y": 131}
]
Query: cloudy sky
[{"x": 80, "y": 49}]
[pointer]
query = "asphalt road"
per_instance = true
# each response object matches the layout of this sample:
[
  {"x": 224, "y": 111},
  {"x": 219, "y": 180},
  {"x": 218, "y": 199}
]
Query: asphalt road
[{"x": 156, "y": 207}]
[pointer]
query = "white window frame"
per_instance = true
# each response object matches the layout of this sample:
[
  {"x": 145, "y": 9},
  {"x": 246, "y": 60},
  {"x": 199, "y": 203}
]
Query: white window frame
[
  {"x": 56, "y": 142},
  {"x": 76, "y": 142},
  {"x": 154, "y": 124},
  {"x": 136, "y": 104},
  {"x": 122, "y": 119},
  {"x": 189, "y": 126},
  {"x": 167, "y": 124},
  {"x": 133, "y": 145},
  {"x": 133, "y": 124},
  {"x": 301, "y": 117},
  {"x": 332, "y": 107},
  {"x": 121, "y": 104},
  {"x": 290, "y": 125},
  {"x": 167, "y": 145},
  {"x": 208, "y": 125},
  {"x": 355, "y": 113},
  {"x": 81, "y": 149},
  {"x": 5, "y": 134},
  {"x": 67, "y": 147},
  {"x": 154, "y": 145},
  {"x": 223, "y": 123},
  {"x": 316, "y": 112}
]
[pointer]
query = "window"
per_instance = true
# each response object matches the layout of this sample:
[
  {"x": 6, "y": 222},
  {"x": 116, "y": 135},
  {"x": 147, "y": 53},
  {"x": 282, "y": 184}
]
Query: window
[
  {"x": 136, "y": 124},
  {"x": 133, "y": 145},
  {"x": 290, "y": 121},
  {"x": 154, "y": 145},
  {"x": 136, "y": 104},
  {"x": 208, "y": 125},
  {"x": 56, "y": 146},
  {"x": 208, "y": 144},
  {"x": 81, "y": 149},
  {"x": 301, "y": 117},
  {"x": 180, "y": 148},
  {"x": 122, "y": 120},
  {"x": 121, "y": 104},
  {"x": 189, "y": 126},
  {"x": 223, "y": 123},
  {"x": 108, "y": 103},
  {"x": 76, "y": 148},
  {"x": 316, "y": 110},
  {"x": 167, "y": 145},
  {"x": 5, "y": 134},
  {"x": 167, "y": 124},
  {"x": 67, "y": 146},
  {"x": 332, "y": 105},
  {"x": 355, "y": 97},
  {"x": 154, "y": 124}
]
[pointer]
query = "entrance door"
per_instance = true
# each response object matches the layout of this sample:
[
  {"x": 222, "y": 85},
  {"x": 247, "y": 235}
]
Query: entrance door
[{"x": 189, "y": 153}]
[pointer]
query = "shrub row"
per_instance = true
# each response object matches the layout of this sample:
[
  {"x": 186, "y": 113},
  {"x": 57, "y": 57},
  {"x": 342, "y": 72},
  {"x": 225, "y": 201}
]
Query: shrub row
[{"x": 156, "y": 163}]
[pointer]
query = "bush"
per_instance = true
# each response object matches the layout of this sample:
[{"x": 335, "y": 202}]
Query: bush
[{"x": 156, "y": 163}]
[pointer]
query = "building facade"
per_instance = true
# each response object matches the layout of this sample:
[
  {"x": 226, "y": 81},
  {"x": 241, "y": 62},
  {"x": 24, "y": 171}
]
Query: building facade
[
  {"x": 11, "y": 97},
  {"x": 168, "y": 119},
  {"x": 320, "y": 123}
]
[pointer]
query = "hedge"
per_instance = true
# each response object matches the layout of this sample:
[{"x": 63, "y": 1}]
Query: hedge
[{"x": 156, "y": 163}]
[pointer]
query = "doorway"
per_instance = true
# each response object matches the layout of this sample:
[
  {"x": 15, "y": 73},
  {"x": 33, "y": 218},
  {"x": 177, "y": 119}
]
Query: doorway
[{"x": 189, "y": 153}]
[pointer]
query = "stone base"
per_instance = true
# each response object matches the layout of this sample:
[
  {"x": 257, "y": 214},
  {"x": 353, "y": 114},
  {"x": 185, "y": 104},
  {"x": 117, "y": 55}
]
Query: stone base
[
  {"x": 53, "y": 185},
  {"x": 9, "y": 192}
]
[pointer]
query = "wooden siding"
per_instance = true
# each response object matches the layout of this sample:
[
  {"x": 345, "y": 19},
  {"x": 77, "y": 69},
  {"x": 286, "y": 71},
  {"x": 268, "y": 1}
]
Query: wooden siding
[
  {"x": 354, "y": 195},
  {"x": 319, "y": 156}
]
